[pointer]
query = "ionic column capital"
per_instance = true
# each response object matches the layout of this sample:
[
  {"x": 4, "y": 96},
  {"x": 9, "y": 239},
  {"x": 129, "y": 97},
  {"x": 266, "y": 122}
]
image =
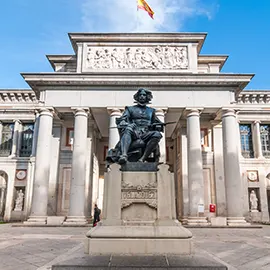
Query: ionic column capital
[
  {"x": 17, "y": 121},
  {"x": 78, "y": 111},
  {"x": 46, "y": 111},
  {"x": 257, "y": 122},
  {"x": 115, "y": 111},
  {"x": 193, "y": 112},
  {"x": 228, "y": 112}
]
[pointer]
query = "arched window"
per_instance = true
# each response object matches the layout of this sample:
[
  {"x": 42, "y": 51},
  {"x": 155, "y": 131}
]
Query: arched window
[{"x": 246, "y": 141}]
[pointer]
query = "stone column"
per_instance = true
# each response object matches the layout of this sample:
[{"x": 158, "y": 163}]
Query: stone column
[
  {"x": 42, "y": 169},
  {"x": 15, "y": 140},
  {"x": 19, "y": 142},
  {"x": 1, "y": 130},
  {"x": 183, "y": 164},
  {"x": 77, "y": 185},
  {"x": 113, "y": 131},
  {"x": 35, "y": 136},
  {"x": 88, "y": 205},
  {"x": 195, "y": 169},
  {"x": 113, "y": 140},
  {"x": 160, "y": 113},
  {"x": 257, "y": 139},
  {"x": 234, "y": 192},
  {"x": 239, "y": 139},
  {"x": 219, "y": 169}
]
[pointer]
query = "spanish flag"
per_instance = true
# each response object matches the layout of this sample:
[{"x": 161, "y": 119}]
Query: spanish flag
[{"x": 141, "y": 4}]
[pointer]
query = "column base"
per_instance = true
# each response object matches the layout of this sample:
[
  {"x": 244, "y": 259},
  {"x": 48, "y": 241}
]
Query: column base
[
  {"x": 237, "y": 221},
  {"x": 197, "y": 221},
  {"x": 36, "y": 220},
  {"x": 184, "y": 220},
  {"x": 75, "y": 221}
]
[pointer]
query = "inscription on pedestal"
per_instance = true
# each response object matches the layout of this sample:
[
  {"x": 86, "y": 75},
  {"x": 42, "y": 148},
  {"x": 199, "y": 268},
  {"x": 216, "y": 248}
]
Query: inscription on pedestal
[{"x": 139, "y": 196}]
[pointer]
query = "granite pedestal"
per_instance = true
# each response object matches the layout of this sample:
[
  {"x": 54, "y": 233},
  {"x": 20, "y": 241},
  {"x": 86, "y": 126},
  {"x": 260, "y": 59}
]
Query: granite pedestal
[{"x": 139, "y": 215}]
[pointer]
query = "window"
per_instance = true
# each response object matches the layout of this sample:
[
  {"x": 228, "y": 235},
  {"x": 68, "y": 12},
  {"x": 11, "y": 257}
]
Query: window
[
  {"x": 264, "y": 131},
  {"x": 27, "y": 140},
  {"x": 246, "y": 141},
  {"x": 6, "y": 140},
  {"x": 69, "y": 136}
]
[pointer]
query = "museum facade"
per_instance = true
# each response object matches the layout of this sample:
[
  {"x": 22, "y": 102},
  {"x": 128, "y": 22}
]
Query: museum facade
[{"x": 54, "y": 136}]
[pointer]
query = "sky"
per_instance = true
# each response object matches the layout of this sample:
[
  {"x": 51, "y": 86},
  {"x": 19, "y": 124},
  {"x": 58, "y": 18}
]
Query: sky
[{"x": 32, "y": 29}]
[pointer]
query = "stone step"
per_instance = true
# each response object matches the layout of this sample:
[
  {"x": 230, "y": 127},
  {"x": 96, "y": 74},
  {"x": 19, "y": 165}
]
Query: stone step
[{"x": 191, "y": 262}]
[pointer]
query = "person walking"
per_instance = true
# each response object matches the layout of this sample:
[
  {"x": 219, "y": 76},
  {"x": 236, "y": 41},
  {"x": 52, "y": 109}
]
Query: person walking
[{"x": 97, "y": 212}]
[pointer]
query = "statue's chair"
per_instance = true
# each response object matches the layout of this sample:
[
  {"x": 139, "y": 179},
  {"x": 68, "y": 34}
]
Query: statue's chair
[{"x": 135, "y": 152}]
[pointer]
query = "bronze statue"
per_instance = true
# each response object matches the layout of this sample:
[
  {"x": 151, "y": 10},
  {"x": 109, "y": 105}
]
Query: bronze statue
[{"x": 140, "y": 132}]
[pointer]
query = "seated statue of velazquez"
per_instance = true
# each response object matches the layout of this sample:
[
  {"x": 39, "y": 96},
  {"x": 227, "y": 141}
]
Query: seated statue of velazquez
[{"x": 140, "y": 132}]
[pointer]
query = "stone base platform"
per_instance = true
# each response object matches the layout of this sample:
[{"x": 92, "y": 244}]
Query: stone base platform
[
  {"x": 191, "y": 262},
  {"x": 139, "y": 240},
  {"x": 49, "y": 225}
]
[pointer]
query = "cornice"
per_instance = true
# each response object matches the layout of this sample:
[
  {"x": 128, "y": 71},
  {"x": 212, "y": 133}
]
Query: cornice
[
  {"x": 105, "y": 38},
  {"x": 253, "y": 98},
  {"x": 53, "y": 59},
  {"x": 237, "y": 81},
  {"x": 213, "y": 59},
  {"x": 16, "y": 96}
]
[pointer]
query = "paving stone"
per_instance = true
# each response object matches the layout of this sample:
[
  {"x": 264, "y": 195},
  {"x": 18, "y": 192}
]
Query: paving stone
[
  {"x": 194, "y": 261},
  {"x": 243, "y": 249}
]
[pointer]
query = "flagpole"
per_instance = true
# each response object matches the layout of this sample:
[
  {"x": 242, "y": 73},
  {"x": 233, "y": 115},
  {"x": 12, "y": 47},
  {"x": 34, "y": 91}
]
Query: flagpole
[{"x": 137, "y": 17}]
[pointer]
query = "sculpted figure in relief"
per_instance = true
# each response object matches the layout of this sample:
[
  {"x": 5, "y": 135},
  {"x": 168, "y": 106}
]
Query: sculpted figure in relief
[
  {"x": 19, "y": 201},
  {"x": 253, "y": 201},
  {"x": 138, "y": 58},
  {"x": 116, "y": 59}
]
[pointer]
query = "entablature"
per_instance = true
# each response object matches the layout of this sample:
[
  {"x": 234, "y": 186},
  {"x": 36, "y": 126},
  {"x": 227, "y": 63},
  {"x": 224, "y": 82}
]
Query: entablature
[{"x": 237, "y": 82}]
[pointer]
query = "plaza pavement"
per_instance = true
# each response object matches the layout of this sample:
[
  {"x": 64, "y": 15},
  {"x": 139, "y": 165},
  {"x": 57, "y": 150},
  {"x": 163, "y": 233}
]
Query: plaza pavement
[{"x": 28, "y": 248}]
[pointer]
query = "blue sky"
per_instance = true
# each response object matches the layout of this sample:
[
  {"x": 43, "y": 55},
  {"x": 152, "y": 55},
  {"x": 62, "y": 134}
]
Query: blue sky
[{"x": 31, "y": 29}]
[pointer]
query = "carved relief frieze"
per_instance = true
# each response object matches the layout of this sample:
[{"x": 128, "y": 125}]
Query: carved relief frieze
[
  {"x": 156, "y": 57},
  {"x": 139, "y": 194}
]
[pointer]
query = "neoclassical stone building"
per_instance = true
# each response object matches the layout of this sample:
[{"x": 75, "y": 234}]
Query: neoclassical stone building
[{"x": 54, "y": 136}]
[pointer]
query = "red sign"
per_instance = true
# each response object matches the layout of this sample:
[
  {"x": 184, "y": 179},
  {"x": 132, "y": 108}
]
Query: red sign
[{"x": 212, "y": 208}]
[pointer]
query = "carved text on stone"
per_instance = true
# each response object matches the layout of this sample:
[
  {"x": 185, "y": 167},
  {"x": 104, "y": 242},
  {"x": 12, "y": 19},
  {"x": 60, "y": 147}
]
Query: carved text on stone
[
  {"x": 158, "y": 57},
  {"x": 145, "y": 194}
]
